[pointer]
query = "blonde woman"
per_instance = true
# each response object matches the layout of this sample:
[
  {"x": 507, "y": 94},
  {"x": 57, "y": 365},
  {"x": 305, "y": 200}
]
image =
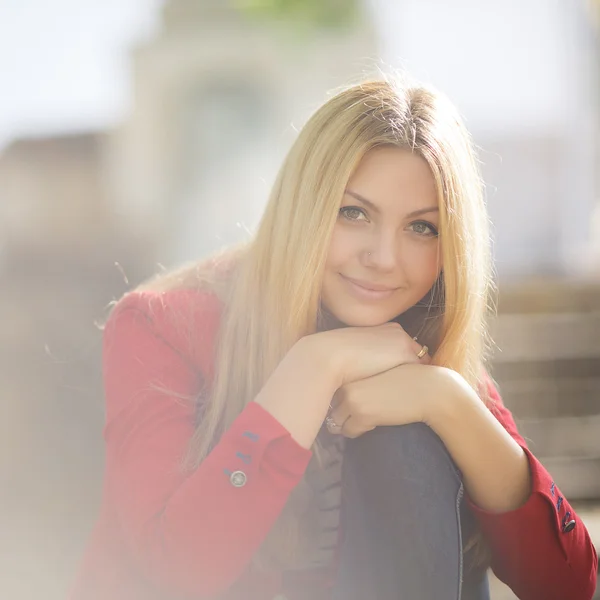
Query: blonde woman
[{"x": 308, "y": 416}]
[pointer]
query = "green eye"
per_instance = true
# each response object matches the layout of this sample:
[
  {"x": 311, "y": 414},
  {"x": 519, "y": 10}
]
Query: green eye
[
  {"x": 352, "y": 213},
  {"x": 424, "y": 228}
]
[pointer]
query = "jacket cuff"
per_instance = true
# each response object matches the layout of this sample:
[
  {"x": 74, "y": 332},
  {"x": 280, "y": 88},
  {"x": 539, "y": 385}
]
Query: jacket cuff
[
  {"x": 545, "y": 502},
  {"x": 258, "y": 440}
]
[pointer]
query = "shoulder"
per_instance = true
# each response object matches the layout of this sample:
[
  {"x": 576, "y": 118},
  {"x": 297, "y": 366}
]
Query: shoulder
[{"x": 184, "y": 320}]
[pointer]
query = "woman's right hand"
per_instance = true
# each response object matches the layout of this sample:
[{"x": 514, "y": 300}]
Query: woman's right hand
[{"x": 355, "y": 353}]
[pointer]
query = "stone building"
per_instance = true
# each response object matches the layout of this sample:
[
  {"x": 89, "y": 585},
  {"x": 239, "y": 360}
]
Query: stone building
[
  {"x": 218, "y": 97},
  {"x": 57, "y": 275}
]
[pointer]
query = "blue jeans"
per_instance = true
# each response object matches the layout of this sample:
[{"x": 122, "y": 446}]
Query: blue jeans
[{"x": 404, "y": 520}]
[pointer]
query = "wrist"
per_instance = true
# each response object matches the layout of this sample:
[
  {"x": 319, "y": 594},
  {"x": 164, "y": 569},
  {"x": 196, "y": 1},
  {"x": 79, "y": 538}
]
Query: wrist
[
  {"x": 447, "y": 400},
  {"x": 298, "y": 393},
  {"x": 315, "y": 353}
]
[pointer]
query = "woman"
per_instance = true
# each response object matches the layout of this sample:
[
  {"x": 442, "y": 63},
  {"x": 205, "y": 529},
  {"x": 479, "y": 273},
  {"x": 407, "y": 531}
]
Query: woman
[{"x": 308, "y": 416}]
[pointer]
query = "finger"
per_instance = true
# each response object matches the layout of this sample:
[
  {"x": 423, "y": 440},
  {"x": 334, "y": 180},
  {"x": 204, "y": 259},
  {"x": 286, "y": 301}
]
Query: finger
[
  {"x": 338, "y": 397},
  {"x": 339, "y": 404},
  {"x": 353, "y": 428},
  {"x": 421, "y": 352},
  {"x": 350, "y": 429},
  {"x": 426, "y": 360},
  {"x": 339, "y": 416}
]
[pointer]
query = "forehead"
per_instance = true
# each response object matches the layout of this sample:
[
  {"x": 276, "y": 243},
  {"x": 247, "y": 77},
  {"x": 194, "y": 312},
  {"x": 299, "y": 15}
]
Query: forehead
[{"x": 389, "y": 177}]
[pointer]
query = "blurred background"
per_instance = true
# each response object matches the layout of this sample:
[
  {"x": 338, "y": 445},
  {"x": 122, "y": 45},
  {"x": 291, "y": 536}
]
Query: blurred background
[{"x": 138, "y": 134}]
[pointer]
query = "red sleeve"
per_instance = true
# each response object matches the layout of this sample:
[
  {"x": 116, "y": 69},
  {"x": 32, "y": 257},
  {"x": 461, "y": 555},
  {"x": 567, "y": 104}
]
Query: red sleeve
[
  {"x": 541, "y": 550},
  {"x": 193, "y": 534}
]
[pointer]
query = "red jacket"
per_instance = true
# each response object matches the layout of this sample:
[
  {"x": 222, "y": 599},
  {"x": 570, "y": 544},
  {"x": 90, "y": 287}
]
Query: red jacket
[{"x": 164, "y": 533}]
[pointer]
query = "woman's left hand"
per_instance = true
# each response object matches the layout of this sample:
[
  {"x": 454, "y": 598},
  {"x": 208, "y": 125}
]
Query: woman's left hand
[
  {"x": 403, "y": 395},
  {"x": 442, "y": 399}
]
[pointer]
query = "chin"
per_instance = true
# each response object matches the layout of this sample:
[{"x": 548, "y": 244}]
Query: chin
[{"x": 363, "y": 318}]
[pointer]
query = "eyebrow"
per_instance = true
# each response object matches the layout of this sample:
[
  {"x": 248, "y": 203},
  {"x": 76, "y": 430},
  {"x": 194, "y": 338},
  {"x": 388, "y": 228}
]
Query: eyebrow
[{"x": 415, "y": 213}]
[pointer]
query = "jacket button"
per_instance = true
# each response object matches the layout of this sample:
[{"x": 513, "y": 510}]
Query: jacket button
[
  {"x": 569, "y": 526},
  {"x": 238, "y": 479}
]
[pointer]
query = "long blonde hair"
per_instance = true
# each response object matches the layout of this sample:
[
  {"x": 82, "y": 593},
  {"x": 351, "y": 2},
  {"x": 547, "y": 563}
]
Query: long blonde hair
[{"x": 271, "y": 299}]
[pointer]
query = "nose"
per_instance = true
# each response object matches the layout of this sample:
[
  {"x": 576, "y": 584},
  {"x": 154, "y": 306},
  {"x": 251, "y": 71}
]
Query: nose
[{"x": 383, "y": 252}]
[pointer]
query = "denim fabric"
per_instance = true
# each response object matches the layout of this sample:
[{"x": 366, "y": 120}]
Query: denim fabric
[{"x": 403, "y": 520}]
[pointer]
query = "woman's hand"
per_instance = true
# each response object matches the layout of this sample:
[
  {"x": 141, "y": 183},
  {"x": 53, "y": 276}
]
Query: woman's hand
[
  {"x": 355, "y": 353},
  {"x": 402, "y": 395},
  {"x": 299, "y": 390}
]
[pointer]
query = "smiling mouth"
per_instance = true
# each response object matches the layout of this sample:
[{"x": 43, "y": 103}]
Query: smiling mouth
[{"x": 370, "y": 287}]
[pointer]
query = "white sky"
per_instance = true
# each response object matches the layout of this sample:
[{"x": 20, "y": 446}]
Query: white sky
[{"x": 64, "y": 63}]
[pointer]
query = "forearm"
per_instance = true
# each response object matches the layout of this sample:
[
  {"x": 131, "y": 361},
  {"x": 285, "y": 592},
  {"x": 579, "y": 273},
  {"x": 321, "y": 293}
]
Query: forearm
[
  {"x": 299, "y": 391},
  {"x": 495, "y": 468}
]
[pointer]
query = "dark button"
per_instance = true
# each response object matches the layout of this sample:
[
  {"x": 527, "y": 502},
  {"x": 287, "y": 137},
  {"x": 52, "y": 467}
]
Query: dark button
[{"x": 569, "y": 526}]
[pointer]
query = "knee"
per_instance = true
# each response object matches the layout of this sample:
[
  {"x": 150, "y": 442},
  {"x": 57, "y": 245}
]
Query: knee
[{"x": 409, "y": 452}]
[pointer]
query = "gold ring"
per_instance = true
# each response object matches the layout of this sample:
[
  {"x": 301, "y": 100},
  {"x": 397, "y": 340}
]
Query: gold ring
[{"x": 422, "y": 352}]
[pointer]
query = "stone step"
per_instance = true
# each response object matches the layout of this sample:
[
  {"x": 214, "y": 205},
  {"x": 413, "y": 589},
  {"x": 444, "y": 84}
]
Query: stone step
[
  {"x": 552, "y": 370},
  {"x": 573, "y": 437},
  {"x": 589, "y": 512},
  {"x": 578, "y": 478},
  {"x": 541, "y": 397},
  {"x": 546, "y": 336},
  {"x": 549, "y": 296}
]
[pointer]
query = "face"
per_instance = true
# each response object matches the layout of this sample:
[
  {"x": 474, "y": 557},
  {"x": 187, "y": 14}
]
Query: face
[{"x": 385, "y": 250}]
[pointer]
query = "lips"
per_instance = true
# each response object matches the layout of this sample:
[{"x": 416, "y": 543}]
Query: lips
[{"x": 367, "y": 285}]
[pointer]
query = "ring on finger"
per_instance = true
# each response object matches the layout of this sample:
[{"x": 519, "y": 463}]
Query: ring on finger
[
  {"x": 332, "y": 426},
  {"x": 422, "y": 352}
]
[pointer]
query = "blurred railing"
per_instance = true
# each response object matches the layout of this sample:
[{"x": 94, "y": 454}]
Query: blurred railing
[
  {"x": 548, "y": 368},
  {"x": 547, "y": 365}
]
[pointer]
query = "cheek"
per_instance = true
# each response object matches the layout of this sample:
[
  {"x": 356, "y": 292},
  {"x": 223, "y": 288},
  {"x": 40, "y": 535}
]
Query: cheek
[
  {"x": 342, "y": 248},
  {"x": 423, "y": 264}
]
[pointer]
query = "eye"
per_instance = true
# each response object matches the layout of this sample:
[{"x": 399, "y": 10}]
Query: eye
[
  {"x": 424, "y": 228},
  {"x": 352, "y": 213}
]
